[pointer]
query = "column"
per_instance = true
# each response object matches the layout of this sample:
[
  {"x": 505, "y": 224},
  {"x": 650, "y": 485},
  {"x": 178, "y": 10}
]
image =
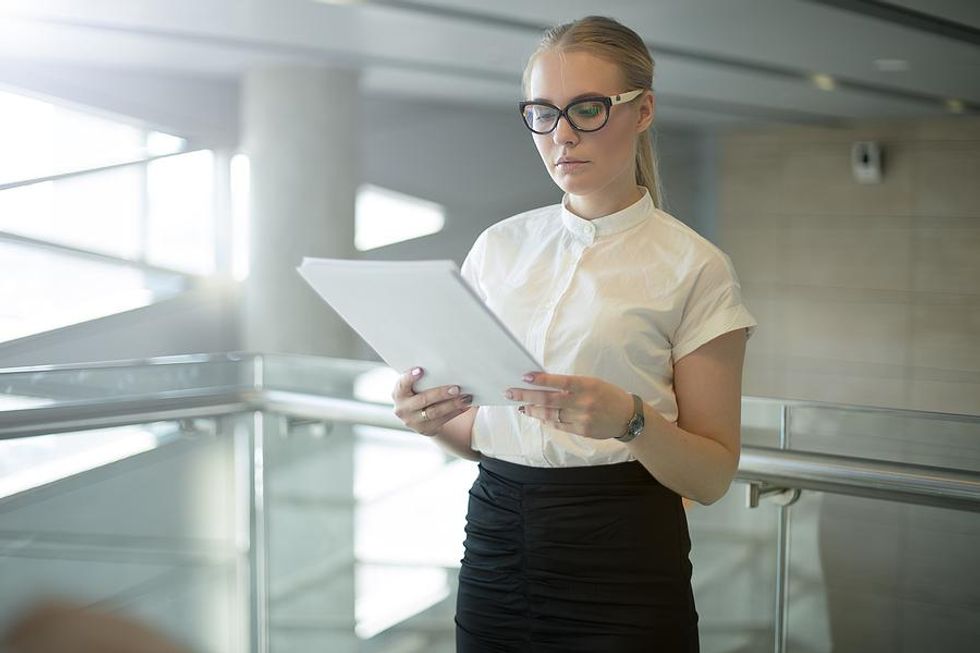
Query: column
[{"x": 300, "y": 131}]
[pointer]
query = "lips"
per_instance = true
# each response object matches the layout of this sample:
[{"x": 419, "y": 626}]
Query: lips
[{"x": 570, "y": 166}]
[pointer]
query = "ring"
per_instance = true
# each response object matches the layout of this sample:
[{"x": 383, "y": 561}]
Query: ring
[{"x": 425, "y": 416}]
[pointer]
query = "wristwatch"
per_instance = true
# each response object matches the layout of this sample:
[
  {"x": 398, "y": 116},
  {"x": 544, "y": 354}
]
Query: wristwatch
[{"x": 635, "y": 427}]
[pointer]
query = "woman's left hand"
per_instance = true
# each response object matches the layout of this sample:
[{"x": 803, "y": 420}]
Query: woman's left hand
[{"x": 589, "y": 406}]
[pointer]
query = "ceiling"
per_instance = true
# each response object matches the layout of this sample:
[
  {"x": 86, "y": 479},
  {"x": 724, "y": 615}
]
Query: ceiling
[{"x": 718, "y": 62}]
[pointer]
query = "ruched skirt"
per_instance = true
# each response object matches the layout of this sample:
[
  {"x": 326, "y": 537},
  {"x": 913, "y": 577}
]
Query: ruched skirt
[{"x": 574, "y": 559}]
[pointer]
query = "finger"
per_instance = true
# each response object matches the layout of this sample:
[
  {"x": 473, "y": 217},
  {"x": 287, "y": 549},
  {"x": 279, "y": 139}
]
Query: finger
[
  {"x": 568, "y": 424},
  {"x": 444, "y": 411},
  {"x": 540, "y": 397},
  {"x": 562, "y": 381},
  {"x": 403, "y": 388},
  {"x": 438, "y": 414},
  {"x": 431, "y": 396},
  {"x": 544, "y": 413},
  {"x": 436, "y": 402},
  {"x": 556, "y": 399},
  {"x": 432, "y": 427}
]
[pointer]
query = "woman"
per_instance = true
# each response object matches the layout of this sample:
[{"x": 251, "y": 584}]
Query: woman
[{"x": 576, "y": 537}]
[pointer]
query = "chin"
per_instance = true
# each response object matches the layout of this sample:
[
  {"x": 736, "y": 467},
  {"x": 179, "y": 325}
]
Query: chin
[{"x": 576, "y": 186}]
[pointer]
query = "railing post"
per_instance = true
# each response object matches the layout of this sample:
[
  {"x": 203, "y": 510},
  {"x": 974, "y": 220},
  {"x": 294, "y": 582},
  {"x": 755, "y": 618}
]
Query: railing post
[
  {"x": 782, "y": 550},
  {"x": 258, "y": 552},
  {"x": 783, "y": 497},
  {"x": 258, "y": 558}
]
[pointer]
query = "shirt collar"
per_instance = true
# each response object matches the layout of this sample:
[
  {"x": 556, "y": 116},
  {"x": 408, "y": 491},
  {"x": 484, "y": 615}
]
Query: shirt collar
[{"x": 589, "y": 230}]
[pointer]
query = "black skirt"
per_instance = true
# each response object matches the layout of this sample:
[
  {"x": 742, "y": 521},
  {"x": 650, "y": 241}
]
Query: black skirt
[{"x": 574, "y": 559}]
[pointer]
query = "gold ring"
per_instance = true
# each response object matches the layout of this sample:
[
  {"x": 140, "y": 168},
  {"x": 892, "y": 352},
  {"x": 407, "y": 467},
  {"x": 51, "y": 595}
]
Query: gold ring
[{"x": 424, "y": 415}]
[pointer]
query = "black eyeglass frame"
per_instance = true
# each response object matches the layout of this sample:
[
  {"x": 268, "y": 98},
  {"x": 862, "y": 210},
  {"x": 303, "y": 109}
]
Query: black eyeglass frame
[{"x": 608, "y": 100}]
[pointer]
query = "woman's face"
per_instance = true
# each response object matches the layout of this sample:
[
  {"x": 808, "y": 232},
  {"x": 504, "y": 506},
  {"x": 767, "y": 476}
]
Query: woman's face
[{"x": 609, "y": 153}]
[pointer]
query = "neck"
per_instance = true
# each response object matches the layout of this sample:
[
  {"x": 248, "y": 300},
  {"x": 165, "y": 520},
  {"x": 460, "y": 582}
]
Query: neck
[{"x": 596, "y": 205}]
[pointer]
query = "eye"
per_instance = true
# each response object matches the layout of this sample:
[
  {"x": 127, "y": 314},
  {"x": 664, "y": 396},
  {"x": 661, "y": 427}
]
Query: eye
[
  {"x": 542, "y": 113},
  {"x": 588, "y": 109}
]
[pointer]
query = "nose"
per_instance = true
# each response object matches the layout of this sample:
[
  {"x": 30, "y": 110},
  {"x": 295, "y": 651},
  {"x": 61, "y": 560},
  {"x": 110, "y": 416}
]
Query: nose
[{"x": 563, "y": 132}]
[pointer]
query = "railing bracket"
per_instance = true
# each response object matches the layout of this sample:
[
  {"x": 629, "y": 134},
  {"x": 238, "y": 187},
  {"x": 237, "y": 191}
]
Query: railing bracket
[
  {"x": 198, "y": 426},
  {"x": 316, "y": 428},
  {"x": 782, "y": 496}
]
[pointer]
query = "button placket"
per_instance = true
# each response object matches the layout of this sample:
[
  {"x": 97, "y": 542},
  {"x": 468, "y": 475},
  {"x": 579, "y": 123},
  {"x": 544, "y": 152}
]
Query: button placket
[{"x": 553, "y": 305}]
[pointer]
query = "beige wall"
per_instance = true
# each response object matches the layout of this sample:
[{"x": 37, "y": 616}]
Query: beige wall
[{"x": 865, "y": 294}]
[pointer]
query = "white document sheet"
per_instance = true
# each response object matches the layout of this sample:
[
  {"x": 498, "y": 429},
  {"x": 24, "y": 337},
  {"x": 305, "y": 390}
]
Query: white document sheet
[{"x": 425, "y": 314}]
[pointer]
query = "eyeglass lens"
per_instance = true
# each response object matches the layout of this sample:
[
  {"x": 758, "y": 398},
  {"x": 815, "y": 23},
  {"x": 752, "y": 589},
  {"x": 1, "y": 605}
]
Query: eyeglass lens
[{"x": 586, "y": 115}]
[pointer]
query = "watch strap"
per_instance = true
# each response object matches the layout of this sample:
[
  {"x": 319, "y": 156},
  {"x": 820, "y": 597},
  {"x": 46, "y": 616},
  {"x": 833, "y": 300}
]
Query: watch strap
[{"x": 637, "y": 415}]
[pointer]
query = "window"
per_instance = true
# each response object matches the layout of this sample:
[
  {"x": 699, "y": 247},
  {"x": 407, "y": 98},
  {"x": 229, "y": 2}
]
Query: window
[
  {"x": 384, "y": 216},
  {"x": 42, "y": 138},
  {"x": 98, "y": 215},
  {"x": 180, "y": 224},
  {"x": 42, "y": 290},
  {"x": 240, "y": 181}
]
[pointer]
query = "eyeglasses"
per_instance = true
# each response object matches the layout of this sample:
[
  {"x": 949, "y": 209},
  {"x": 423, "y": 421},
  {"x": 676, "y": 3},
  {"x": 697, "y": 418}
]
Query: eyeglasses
[{"x": 585, "y": 114}]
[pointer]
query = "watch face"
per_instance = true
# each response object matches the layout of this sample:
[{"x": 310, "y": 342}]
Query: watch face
[{"x": 637, "y": 424}]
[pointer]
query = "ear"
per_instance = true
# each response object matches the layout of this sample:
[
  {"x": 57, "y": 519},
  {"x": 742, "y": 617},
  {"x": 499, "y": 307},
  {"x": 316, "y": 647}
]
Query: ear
[{"x": 646, "y": 111}]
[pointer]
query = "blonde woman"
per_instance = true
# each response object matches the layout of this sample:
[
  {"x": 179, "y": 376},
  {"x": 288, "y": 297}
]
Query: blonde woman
[{"x": 576, "y": 535}]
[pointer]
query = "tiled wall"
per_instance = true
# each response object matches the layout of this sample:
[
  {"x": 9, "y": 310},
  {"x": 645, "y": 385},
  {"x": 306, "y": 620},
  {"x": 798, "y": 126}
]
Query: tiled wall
[{"x": 865, "y": 294}]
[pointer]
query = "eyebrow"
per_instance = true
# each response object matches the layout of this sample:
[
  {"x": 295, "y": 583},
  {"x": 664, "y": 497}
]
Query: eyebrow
[{"x": 577, "y": 97}]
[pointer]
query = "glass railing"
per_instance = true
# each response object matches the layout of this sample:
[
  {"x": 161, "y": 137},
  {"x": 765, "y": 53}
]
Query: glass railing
[{"x": 246, "y": 502}]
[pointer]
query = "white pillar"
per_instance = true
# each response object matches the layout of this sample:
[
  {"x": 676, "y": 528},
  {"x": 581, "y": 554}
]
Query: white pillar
[{"x": 300, "y": 132}]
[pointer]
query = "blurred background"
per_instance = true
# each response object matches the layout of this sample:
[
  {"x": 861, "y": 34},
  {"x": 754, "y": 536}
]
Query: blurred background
[{"x": 190, "y": 436}]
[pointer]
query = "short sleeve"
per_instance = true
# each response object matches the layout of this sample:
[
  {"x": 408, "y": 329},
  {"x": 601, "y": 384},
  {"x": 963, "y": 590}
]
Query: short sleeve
[
  {"x": 713, "y": 307},
  {"x": 473, "y": 264}
]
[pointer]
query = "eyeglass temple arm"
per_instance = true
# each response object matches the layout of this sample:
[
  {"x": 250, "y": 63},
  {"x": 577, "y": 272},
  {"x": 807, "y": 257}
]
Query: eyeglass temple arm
[{"x": 625, "y": 97}]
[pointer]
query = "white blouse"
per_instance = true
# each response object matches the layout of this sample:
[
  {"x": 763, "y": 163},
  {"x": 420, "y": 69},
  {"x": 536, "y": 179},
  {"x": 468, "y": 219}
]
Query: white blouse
[{"x": 621, "y": 297}]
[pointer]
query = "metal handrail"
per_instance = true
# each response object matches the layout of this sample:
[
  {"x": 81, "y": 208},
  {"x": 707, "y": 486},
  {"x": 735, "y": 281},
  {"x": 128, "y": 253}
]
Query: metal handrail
[
  {"x": 351, "y": 365},
  {"x": 921, "y": 484},
  {"x": 852, "y": 408},
  {"x": 360, "y": 365},
  {"x": 106, "y": 413}
]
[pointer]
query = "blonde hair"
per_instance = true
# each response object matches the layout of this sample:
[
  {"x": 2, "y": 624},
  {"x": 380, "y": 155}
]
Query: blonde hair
[{"x": 610, "y": 40}]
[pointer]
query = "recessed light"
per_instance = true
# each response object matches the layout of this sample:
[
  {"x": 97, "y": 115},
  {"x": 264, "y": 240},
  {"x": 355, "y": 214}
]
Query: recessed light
[
  {"x": 954, "y": 106},
  {"x": 823, "y": 82},
  {"x": 892, "y": 65}
]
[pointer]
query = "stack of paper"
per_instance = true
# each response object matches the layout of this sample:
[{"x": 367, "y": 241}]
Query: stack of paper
[{"x": 424, "y": 314}]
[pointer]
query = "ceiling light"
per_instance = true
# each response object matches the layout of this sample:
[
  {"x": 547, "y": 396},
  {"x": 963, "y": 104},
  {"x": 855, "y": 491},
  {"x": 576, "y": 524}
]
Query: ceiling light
[
  {"x": 822, "y": 81},
  {"x": 954, "y": 106}
]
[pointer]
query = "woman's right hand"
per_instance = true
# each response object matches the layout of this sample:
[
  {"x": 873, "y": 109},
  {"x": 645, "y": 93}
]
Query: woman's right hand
[{"x": 440, "y": 404}]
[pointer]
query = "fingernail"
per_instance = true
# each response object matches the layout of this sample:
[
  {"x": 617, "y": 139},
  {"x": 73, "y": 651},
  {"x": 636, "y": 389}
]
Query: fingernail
[
  {"x": 454, "y": 390},
  {"x": 416, "y": 371},
  {"x": 509, "y": 394},
  {"x": 528, "y": 377}
]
